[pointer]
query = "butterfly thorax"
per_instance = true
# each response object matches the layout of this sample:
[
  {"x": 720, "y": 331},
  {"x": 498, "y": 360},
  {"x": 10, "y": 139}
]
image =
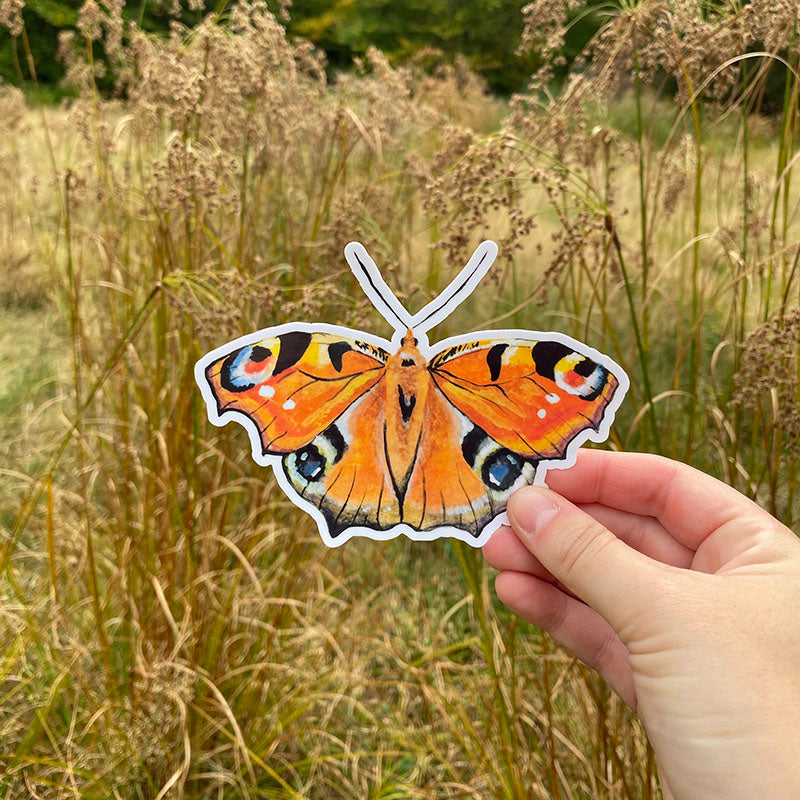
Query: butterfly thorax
[{"x": 407, "y": 384}]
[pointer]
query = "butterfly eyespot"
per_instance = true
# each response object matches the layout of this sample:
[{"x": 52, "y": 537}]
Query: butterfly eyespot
[
  {"x": 581, "y": 376},
  {"x": 309, "y": 463},
  {"x": 499, "y": 468},
  {"x": 571, "y": 371},
  {"x": 245, "y": 368},
  {"x": 502, "y": 469}
]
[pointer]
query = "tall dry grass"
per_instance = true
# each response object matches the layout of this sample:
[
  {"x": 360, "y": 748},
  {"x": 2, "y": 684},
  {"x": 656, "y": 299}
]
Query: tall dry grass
[{"x": 171, "y": 625}]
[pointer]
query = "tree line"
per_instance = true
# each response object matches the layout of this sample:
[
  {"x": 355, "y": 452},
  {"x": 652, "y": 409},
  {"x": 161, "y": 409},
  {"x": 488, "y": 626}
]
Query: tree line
[{"x": 485, "y": 32}]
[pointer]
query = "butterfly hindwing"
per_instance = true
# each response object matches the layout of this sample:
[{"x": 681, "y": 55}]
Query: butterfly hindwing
[
  {"x": 293, "y": 385},
  {"x": 462, "y": 478},
  {"x": 459, "y": 476},
  {"x": 343, "y": 472},
  {"x": 530, "y": 396}
]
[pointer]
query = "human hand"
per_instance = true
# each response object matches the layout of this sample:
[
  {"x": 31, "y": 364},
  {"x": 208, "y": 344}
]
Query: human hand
[{"x": 685, "y": 596}]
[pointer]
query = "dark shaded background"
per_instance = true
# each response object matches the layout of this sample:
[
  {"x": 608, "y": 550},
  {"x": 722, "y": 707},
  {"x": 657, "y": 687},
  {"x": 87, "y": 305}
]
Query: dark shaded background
[{"x": 486, "y": 33}]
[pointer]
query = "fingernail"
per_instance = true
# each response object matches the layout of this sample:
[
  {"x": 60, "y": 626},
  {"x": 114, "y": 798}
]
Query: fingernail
[{"x": 530, "y": 509}]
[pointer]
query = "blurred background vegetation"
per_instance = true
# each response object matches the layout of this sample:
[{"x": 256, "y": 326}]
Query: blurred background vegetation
[
  {"x": 170, "y": 625},
  {"x": 487, "y": 34}
]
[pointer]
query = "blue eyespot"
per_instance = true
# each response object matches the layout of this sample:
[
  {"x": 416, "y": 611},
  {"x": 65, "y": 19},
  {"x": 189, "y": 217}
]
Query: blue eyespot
[
  {"x": 309, "y": 463},
  {"x": 501, "y": 469},
  {"x": 236, "y": 373}
]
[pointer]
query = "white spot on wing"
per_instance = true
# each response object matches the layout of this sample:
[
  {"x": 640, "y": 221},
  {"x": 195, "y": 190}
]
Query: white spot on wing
[
  {"x": 541, "y": 413},
  {"x": 552, "y": 398},
  {"x": 267, "y": 391},
  {"x": 289, "y": 404}
]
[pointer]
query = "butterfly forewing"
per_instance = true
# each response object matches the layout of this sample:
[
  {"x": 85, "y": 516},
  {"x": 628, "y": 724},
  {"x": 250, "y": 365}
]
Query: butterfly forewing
[
  {"x": 294, "y": 385},
  {"x": 531, "y": 396}
]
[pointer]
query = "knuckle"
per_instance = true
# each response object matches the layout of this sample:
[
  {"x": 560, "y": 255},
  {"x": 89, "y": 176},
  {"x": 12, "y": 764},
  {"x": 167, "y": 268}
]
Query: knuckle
[
  {"x": 585, "y": 543},
  {"x": 602, "y": 653},
  {"x": 639, "y": 533},
  {"x": 557, "y": 615}
]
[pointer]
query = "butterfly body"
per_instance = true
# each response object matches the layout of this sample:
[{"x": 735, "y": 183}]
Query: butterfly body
[{"x": 405, "y": 402}]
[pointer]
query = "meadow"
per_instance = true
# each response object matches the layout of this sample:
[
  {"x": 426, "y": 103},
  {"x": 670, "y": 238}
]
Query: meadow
[{"x": 172, "y": 627}]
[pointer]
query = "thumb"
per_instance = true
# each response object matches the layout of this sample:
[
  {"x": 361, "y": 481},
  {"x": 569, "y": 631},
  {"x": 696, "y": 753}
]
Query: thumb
[{"x": 587, "y": 558}]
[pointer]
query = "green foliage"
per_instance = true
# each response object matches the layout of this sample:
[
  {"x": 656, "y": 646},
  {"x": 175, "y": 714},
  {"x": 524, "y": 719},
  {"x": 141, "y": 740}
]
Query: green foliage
[
  {"x": 486, "y": 33},
  {"x": 46, "y": 19},
  {"x": 55, "y": 13},
  {"x": 43, "y": 20}
]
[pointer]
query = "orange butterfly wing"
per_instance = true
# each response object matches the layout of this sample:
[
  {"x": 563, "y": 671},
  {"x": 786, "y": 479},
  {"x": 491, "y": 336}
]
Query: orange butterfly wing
[
  {"x": 372, "y": 443},
  {"x": 292, "y": 386},
  {"x": 343, "y": 471},
  {"x": 453, "y": 483},
  {"x": 533, "y": 397}
]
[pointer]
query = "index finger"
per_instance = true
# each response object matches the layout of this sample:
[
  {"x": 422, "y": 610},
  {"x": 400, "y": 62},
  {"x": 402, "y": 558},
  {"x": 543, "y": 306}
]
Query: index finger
[{"x": 687, "y": 502}]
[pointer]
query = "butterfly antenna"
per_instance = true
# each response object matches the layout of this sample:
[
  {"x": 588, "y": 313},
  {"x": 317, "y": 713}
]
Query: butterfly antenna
[
  {"x": 374, "y": 286},
  {"x": 460, "y": 288}
]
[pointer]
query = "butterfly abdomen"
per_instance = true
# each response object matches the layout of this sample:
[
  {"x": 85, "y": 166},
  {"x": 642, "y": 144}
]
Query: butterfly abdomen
[{"x": 407, "y": 384}]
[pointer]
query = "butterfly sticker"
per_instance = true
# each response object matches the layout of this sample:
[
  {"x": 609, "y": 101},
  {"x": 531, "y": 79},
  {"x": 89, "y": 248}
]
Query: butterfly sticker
[{"x": 376, "y": 438}]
